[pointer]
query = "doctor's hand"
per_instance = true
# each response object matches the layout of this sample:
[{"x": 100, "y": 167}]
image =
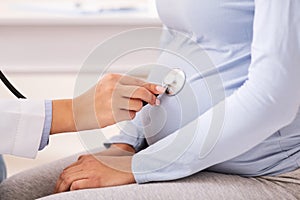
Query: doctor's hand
[{"x": 115, "y": 98}]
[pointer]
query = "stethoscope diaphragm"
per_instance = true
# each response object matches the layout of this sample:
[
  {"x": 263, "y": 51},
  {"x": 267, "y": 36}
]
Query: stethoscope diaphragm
[{"x": 174, "y": 81}]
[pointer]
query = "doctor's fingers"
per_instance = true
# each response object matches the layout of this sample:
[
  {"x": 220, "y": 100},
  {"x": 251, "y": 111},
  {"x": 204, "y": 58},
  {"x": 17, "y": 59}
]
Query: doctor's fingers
[
  {"x": 136, "y": 92},
  {"x": 153, "y": 88},
  {"x": 123, "y": 115},
  {"x": 130, "y": 80},
  {"x": 130, "y": 104}
]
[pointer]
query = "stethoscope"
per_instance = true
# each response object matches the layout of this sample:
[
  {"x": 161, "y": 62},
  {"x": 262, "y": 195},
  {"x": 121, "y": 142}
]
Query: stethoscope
[
  {"x": 11, "y": 87},
  {"x": 174, "y": 81}
]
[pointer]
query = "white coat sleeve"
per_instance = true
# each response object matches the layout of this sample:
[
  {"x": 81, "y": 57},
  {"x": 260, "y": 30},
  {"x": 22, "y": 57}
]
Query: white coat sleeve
[
  {"x": 21, "y": 127},
  {"x": 268, "y": 101}
]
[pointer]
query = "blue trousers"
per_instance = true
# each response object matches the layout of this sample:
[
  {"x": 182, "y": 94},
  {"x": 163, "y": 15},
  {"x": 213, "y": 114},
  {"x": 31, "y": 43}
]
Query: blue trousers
[{"x": 2, "y": 169}]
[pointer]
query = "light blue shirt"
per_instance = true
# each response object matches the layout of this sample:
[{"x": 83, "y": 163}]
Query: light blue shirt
[
  {"x": 47, "y": 125},
  {"x": 255, "y": 45}
]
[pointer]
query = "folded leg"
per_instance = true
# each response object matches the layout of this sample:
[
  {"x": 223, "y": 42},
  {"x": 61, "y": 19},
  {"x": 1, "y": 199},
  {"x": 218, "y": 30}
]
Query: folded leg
[
  {"x": 204, "y": 186},
  {"x": 34, "y": 183}
]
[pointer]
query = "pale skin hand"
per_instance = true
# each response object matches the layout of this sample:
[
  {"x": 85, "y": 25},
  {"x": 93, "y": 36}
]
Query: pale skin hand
[
  {"x": 111, "y": 167},
  {"x": 115, "y": 98}
]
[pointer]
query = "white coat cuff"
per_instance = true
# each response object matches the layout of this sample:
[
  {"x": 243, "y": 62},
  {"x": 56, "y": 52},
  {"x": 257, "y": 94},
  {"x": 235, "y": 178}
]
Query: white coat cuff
[{"x": 29, "y": 128}]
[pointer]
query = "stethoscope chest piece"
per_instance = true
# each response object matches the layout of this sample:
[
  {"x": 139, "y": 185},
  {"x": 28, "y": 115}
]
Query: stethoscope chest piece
[{"x": 174, "y": 81}]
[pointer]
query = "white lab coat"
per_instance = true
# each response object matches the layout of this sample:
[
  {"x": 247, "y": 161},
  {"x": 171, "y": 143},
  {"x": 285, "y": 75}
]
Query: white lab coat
[{"x": 21, "y": 127}]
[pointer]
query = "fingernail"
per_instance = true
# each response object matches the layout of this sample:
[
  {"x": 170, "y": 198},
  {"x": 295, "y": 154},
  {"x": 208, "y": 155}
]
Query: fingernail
[
  {"x": 160, "y": 89},
  {"x": 157, "y": 102}
]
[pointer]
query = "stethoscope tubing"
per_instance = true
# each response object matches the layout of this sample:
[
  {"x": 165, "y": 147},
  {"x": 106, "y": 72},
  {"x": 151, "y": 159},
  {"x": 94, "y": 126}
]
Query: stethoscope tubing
[{"x": 10, "y": 86}]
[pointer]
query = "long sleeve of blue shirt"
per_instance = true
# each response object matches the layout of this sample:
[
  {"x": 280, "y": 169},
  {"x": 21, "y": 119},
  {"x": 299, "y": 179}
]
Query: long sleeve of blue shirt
[
  {"x": 266, "y": 102},
  {"x": 47, "y": 125}
]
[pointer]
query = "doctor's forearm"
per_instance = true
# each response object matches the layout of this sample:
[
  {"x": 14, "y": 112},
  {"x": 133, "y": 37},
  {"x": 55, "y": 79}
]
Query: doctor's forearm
[{"x": 62, "y": 117}]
